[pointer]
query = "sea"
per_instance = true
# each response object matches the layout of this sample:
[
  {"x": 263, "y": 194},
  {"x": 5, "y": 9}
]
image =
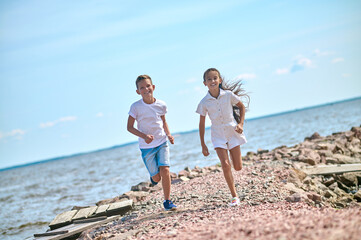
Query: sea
[{"x": 32, "y": 195}]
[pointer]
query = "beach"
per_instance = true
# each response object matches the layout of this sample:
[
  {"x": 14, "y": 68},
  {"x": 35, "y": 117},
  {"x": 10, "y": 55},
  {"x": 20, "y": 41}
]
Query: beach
[
  {"x": 36, "y": 193},
  {"x": 279, "y": 198}
]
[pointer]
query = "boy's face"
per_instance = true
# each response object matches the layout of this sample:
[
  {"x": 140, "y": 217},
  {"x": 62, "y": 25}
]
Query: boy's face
[{"x": 145, "y": 88}]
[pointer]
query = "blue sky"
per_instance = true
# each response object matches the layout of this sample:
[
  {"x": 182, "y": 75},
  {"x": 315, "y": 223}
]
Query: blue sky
[{"x": 67, "y": 68}]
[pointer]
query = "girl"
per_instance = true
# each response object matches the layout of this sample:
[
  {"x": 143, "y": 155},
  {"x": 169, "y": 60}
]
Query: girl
[{"x": 226, "y": 111}]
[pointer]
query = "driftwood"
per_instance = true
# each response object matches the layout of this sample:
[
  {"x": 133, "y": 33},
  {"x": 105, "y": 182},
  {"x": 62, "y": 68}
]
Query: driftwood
[{"x": 332, "y": 169}]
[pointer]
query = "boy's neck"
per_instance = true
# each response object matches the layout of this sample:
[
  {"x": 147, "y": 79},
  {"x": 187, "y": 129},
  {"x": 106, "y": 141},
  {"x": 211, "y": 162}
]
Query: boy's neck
[{"x": 149, "y": 100}]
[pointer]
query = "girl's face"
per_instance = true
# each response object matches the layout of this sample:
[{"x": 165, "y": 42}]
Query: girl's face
[{"x": 212, "y": 80}]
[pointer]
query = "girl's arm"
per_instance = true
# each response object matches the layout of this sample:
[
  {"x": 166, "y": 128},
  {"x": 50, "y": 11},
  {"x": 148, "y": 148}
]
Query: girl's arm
[
  {"x": 132, "y": 129},
  {"x": 242, "y": 111},
  {"x": 166, "y": 129},
  {"x": 202, "y": 123}
]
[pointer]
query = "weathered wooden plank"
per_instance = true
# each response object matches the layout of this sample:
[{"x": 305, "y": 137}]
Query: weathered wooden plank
[
  {"x": 84, "y": 213},
  {"x": 88, "y": 220},
  {"x": 331, "y": 169},
  {"x": 101, "y": 210},
  {"x": 76, "y": 229},
  {"x": 62, "y": 219},
  {"x": 119, "y": 208},
  {"x": 52, "y": 233}
]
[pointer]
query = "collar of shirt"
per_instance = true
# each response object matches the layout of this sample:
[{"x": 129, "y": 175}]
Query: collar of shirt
[{"x": 221, "y": 93}]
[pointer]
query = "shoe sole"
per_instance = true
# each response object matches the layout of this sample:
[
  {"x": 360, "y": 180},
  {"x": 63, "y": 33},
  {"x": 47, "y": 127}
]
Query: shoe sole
[{"x": 171, "y": 209}]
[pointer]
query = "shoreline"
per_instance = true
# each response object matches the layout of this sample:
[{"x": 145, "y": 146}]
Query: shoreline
[
  {"x": 273, "y": 188},
  {"x": 183, "y": 132}
]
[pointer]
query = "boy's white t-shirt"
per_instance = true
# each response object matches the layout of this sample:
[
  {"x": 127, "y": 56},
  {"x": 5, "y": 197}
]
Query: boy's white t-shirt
[{"x": 149, "y": 121}]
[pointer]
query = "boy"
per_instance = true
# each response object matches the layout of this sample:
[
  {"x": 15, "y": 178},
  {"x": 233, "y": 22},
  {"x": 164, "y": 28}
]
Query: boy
[{"x": 152, "y": 130}]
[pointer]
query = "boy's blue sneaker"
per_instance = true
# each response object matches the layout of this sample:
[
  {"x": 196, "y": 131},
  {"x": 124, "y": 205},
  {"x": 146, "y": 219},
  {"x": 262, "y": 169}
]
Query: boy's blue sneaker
[
  {"x": 169, "y": 206},
  {"x": 153, "y": 182}
]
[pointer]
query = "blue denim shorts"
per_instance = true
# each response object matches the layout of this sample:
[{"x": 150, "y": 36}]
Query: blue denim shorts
[{"x": 153, "y": 158}]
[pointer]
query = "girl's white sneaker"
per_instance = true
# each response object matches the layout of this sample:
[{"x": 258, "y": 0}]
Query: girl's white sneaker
[{"x": 235, "y": 202}]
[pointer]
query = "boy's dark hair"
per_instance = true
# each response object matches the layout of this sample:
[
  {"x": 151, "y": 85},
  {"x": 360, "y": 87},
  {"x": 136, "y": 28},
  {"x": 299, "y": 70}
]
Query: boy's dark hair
[
  {"x": 235, "y": 87},
  {"x": 141, "y": 78}
]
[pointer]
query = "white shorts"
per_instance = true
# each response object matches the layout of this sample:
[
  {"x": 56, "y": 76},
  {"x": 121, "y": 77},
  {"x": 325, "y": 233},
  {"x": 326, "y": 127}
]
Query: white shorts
[{"x": 227, "y": 138}]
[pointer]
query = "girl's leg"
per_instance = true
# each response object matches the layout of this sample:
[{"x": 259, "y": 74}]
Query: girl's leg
[
  {"x": 236, "y": 158},
  {"x": 227, "y": 169},
  {"x": 165, "y": 175}
]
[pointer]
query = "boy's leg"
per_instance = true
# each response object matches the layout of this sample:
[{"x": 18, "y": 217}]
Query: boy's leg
[
  {"x": 227, "y": 169},
  {"x": 156, "y": 178},
  {"x": 236, "y": 158},
  {"x": 149, "y": 159},
  {"x": 163, "y": 163},
  {"x": 166, "y": 182}
]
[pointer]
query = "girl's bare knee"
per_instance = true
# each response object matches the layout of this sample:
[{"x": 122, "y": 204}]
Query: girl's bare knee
[
  {"x": 238, "y": 167},
  {"x": 226, "y": 166}
]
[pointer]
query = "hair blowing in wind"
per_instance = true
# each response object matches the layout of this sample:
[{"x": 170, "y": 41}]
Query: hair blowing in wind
[{"x": 236, "y": 88}]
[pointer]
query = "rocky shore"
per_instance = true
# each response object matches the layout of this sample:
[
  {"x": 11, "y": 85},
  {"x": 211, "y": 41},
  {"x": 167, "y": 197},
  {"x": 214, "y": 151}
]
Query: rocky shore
[{"x": 279, "y": 200}]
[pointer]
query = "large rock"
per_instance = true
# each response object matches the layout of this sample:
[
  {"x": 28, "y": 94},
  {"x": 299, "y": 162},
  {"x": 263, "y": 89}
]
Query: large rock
[
  {"x": 349, "y": 179},
  {"x": 136, "y": 196},
  {"x": 295, "y": 197},
  {"x": 296, "y": 176},
  {"x": 330, "y": 194},
  {"x": 309, "y": 156},
  {"x": 357, "y": 131},
  {"x": 357, "y": 195},
  {"x": 143, "y": 186},
  {"x": 111, "y": 200},
  {"x": 314, "y": 136},
  {"x": 343, "y": 159}
]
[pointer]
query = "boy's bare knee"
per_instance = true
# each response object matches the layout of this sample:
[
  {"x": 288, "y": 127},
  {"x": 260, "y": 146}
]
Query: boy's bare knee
[
  {"x": 164, "y": 170},
  {"x": 156, "y": 177}
]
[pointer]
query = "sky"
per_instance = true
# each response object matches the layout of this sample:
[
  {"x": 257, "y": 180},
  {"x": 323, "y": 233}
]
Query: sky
[{"x": 68, "y": 68}]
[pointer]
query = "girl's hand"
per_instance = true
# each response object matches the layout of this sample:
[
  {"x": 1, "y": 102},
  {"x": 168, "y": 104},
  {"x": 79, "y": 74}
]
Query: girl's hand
[
  {"x": 205, "y": 151},
  {"x": 171, "y": 139},
  {"x": 239, "y": 128},
  {"x": 148, "y": 138}
]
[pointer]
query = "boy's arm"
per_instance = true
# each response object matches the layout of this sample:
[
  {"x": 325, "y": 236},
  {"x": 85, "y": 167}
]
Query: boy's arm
[
  {"x": 166, "y": 129},
  {"x": 242, "y": 111},
  {"x": 202, "y": 123},
  {"x": 132, "y": 129}
]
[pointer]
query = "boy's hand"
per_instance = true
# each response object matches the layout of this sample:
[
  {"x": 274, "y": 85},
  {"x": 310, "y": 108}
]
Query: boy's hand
[
  {"x": 171, "y": 139},
  {"x": 205, "y": 151},
  {"x": 239, "y": 128},
  {"x": 148, "y": 138}
]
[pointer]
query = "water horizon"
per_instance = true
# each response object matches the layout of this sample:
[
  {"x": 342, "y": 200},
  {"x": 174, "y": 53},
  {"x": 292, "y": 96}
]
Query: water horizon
[{"x": 176, "y": 133}]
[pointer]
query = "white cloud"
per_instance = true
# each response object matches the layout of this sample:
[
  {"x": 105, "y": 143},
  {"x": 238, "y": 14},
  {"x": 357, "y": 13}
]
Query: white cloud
[
  {"x": 345, "y": 75},
  {"x": 100, "y": 114},
  {"x": 301, "y": 63},
  {"x": 244, "y": 76},
  {"x": 53, "y": 123},
  {"x": 319, "y": 53},
  {"x": 337, "y": 60},
  {"x": 304, "y": 62},
  {"x": 281, "y": 71},
  {"x": 16, "y": 133}
]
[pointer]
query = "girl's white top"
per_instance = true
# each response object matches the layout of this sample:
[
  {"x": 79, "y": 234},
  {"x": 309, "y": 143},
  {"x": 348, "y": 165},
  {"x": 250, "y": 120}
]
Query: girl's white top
[
  {"x": 220, "y": 111},
  {"x": 149, "y": 121}
]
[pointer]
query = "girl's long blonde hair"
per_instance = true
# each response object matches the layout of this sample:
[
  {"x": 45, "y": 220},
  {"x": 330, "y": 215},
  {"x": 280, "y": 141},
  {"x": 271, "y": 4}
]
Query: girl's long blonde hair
[{"x": 235, "y": 87}]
